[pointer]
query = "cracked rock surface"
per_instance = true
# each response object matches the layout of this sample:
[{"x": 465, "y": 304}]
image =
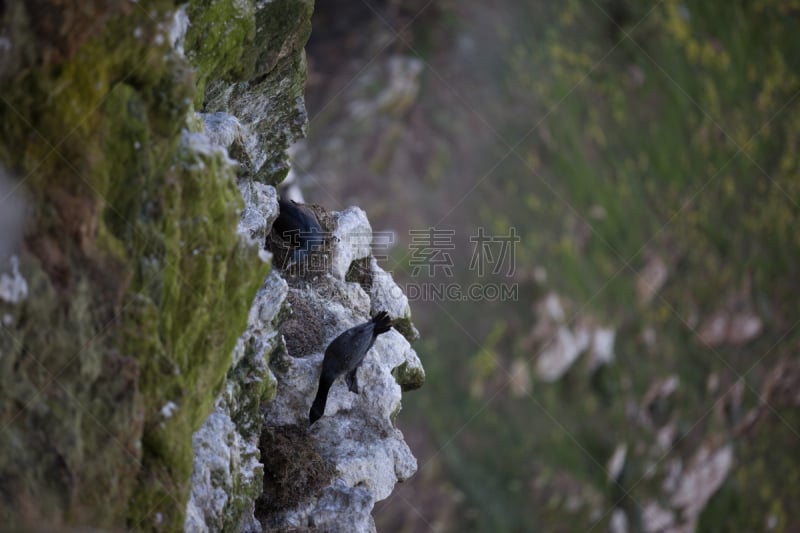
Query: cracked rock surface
[
  {"x": 257, "y": 464},
  {"x": 356, "y": 437}
]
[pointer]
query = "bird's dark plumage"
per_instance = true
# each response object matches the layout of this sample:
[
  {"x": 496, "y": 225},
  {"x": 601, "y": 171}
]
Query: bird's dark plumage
[
  {"x": 297, "y": 224},
  {"x": 343, "y": 357}
]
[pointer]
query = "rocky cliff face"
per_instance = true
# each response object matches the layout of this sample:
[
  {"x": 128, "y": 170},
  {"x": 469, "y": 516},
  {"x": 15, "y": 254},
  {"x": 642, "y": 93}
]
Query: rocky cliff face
[{"x": 145, "y": 335}]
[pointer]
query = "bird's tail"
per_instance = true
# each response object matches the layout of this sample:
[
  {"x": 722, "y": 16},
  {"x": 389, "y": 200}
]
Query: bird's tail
[
  {"x": 383, "y": 323},
  {"x": 318, "y": 407}
]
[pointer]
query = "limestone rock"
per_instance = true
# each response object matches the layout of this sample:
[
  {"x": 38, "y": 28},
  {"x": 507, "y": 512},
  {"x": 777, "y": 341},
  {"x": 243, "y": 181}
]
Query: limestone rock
[
  {"x": 352, "y": 238},
  {"x": 356, "y": 435},
  {"x": 227, "y": 474},
  {"x": 13, "y": 287},
  {"x": 706, "y": 472},
  {"x": 557, "y": 358},
  {"x": 145, "y": 260},
  {"x": 386, "y": 295},
  {"x": 218, "y": 458},
  {"x": 268, "y": 104}
]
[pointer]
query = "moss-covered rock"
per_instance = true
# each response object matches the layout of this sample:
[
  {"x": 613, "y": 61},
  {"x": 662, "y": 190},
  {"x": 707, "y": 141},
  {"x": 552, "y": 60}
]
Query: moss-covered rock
[
  {"x": 216, "y": 39},
  {"x": 269, "y": 105},
  {"x": 206, "y": 281},
  {"x": 139, "y": 313},
  {"x": 227, "y": 475},
  {"x": 409, "y": 376},
  {"x": 138, "y": 283}
]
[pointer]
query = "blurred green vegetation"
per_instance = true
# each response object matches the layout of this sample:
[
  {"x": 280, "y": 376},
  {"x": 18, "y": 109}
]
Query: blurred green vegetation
[{"x": 648, "y": 130}]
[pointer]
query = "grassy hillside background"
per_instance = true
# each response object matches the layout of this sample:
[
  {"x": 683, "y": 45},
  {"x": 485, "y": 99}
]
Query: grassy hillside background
[{"x": 646, "y": 154}]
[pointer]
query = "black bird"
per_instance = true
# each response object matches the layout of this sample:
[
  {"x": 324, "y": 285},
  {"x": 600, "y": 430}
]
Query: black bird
[
  {"x": 344, "y": 355},
  {"x": 297, "y": 224}
]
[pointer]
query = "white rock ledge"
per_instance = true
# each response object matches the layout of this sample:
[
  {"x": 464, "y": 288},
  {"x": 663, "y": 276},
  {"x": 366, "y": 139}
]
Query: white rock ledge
[
  {"x": 356, "y": 435},
  {"x": 356, "y": 439}
]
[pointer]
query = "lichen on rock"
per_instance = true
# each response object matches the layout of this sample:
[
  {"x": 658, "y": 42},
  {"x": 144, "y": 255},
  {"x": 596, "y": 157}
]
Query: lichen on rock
[
  {"x": 130, "y": 244},
  {"x": 141, "y": 333}
]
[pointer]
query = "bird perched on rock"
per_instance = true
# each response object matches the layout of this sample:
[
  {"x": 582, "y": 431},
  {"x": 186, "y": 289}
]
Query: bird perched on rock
[
  {"x": 344, "y": 355},
  {"x": 297, "y": 224}
]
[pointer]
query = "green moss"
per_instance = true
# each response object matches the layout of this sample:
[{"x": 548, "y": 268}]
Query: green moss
[
  {"x": 272, "y": 22},
  {"x": 207, "y": 282},
  {"x": 216, "y": 39},
  {"x": 139, "y": 286},
  {"x": 287, "y": 81},
  {"x": 68, "y": 455},
  {"x": 282, "y": 29},
  {"x": 252, "y": 387},
  {"x": 408, "y": 377},
  {"x": 245, "y": 491},
  {"x": 406, "y": 328}
]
